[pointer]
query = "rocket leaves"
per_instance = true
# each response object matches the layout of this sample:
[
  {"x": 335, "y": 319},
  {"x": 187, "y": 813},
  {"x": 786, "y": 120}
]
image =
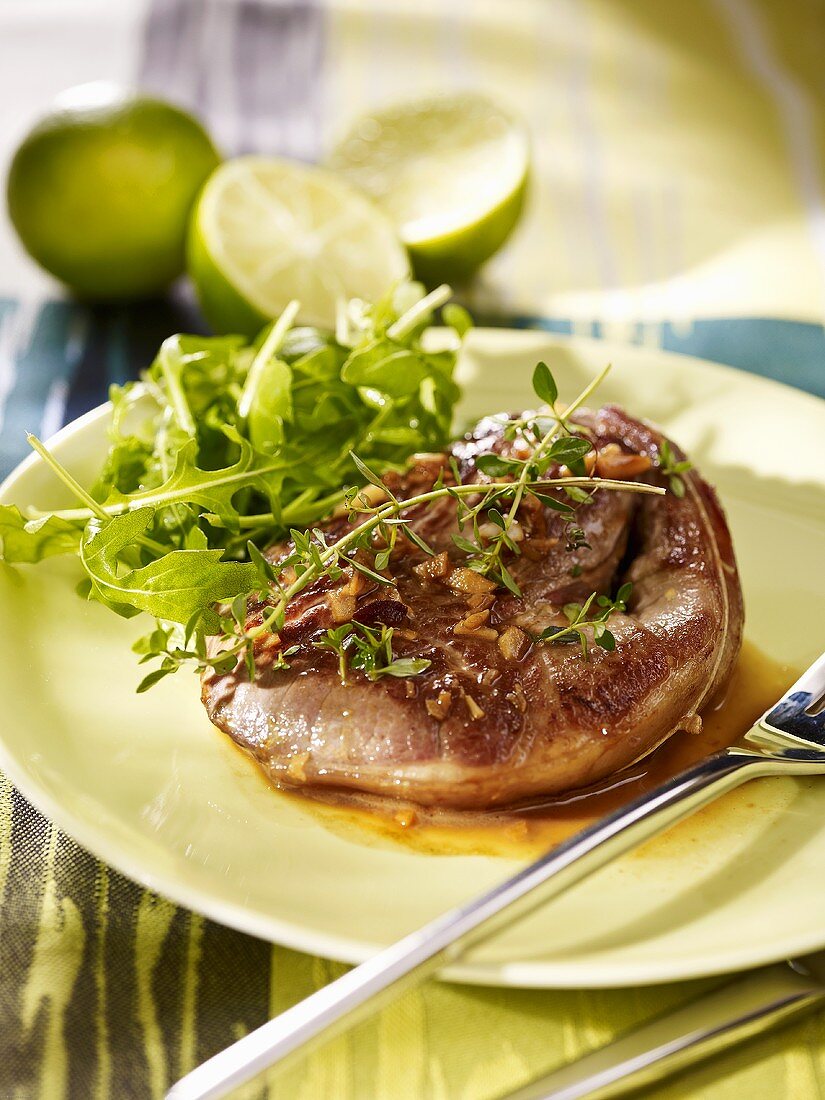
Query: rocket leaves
[
  {"x": 223, "y": 445},
  {"x": 272, "y": 407},
  {"x": 213, "y": 491},
  {"x": 23, "y": 540},
  {"x": 174, "y": 587}
]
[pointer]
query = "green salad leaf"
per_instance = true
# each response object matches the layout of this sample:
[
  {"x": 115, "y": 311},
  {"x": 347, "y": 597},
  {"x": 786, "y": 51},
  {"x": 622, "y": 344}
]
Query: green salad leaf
[
  {"x": 213, "y": 491},
  {"x": 222, "y": 447},
  {"x": 23, "y": 540},
  {"x": 271, "y": 408},
  {"x": 174, "y": 587}
]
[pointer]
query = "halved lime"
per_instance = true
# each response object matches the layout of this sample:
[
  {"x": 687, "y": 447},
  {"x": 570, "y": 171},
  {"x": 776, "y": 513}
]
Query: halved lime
[
  {"x": 450, "y": 172},
  {"x": 265, "y": 231}
]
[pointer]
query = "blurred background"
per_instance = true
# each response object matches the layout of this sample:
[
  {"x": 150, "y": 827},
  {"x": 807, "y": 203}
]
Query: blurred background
[{"x": 676, "y": 199}]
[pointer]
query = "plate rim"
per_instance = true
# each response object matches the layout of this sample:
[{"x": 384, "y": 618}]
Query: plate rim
[{"x": 525, "y": 975}]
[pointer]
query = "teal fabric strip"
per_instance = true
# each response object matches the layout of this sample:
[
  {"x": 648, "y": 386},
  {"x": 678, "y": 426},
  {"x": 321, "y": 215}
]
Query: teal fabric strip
[
  {"x": 43, "y": 346},
  {"x": 61, "y": 357},
  {"x": 792, "y": 352}
]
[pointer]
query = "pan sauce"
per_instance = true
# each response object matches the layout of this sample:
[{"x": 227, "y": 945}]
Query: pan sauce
[{"x": 528, "y": 830}]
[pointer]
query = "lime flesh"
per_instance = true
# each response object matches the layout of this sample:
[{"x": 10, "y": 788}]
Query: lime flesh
[
  {"x": 450, "y": 172},
  {"x": 265, "y": 231}
]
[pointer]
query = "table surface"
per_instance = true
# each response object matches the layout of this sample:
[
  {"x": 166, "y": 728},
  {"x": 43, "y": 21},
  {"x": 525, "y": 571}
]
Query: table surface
[{"x": 678, "y": 200}]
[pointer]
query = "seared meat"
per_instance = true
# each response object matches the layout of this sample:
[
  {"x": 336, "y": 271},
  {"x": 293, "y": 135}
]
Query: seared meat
[{"x": 497, "y": 718}]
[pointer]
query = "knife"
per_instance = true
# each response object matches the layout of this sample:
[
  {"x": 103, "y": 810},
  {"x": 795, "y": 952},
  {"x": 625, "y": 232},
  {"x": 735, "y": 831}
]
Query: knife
[{"x": 730, "y": 1014}]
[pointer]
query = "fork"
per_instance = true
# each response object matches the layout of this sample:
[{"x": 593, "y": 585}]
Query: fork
[{"x": 789, "y": 739}]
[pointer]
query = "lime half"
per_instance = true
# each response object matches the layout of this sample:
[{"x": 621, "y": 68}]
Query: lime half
[
  {"x": 450, "y": 172},
  {"x": 265, "y": 231}
]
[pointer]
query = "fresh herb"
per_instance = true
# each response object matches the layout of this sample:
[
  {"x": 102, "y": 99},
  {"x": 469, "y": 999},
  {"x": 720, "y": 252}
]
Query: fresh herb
[
  {"x": 672, "y": 468},
  {"x": 582, "y": 618},
  {"x": 23, "y": 540},
  {"x": 313, "y": 558},
  {"x": 369, "y": 650},
  {"x": 175, "y": 647},
  {"x": 222, "y": 449},
  {"x": 367, "y": 546},
  {"x": 552, "y": 443},
  {"x": 221, "y": 444}
]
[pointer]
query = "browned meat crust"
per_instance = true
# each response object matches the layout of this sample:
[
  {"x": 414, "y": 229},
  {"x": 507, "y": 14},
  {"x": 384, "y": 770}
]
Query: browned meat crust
[{"x": 496, "y": 719}]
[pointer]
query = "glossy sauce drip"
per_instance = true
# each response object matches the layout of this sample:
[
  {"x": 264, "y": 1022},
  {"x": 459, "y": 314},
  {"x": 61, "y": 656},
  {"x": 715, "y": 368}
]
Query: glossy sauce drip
[{"x": 757, "y": 682}]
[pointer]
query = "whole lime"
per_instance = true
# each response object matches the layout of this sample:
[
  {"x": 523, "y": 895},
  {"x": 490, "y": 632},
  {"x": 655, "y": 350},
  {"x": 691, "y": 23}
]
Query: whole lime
[{"x": 100, "y": 190}]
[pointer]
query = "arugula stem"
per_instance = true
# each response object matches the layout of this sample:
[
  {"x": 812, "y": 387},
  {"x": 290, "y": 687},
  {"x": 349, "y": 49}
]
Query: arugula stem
[
  {"x": 177, "y": 398},
  {"x": 95, "y": 510},
  {"x": 407, "y": 321},
  {"x": 270, "y": 348},
  {"x": 64, "y": 475},
  {"x": 166, "y": 471},
  {"x": 152, "y": 498}
]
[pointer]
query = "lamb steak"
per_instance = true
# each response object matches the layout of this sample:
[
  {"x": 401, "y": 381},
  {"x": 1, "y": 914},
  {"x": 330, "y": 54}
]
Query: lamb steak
[{"x": 497, "y": 718}]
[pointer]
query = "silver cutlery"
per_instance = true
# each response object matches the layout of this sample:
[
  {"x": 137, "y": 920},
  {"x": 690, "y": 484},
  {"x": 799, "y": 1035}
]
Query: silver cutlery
[
  {"x": 789, "y": 739},
  {"x": 731, "y": 1014}
]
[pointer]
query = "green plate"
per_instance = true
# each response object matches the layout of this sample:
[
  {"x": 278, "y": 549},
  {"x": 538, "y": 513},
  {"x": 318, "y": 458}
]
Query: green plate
[{"x": 148, "y": 785}]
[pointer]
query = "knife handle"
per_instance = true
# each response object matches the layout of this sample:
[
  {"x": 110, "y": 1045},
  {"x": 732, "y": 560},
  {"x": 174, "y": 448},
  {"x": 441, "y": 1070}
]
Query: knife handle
[{"x": 728, "y": 1015}]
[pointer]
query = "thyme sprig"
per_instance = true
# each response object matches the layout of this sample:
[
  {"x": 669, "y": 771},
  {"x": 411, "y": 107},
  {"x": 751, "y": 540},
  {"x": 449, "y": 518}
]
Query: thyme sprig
[
  {"x": 672, "y": 467},
  {"x": 553, "y": 443},
  {"x": 581, "y": 619},
  {"x": 368, "y": 649},
  {"x": 313, "y": 557}
]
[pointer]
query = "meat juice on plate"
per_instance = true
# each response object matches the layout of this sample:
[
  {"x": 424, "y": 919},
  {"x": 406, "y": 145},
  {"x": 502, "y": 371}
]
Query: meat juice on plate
[
  {"x": 526, "y": 831},
  {"x": 477, "y": 680}
]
